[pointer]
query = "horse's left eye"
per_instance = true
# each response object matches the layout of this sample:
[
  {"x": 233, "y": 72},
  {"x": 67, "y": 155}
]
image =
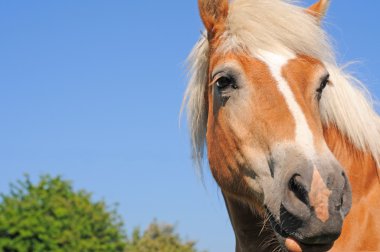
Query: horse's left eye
[
  {"x": 225, "y": 82},
  {"x": 325, "y": 81}
]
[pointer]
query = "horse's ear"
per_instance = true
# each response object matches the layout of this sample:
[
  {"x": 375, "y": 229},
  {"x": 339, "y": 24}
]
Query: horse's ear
[
  {"x": 319, "y": 9},
  {"x": 214, "y": 14}
]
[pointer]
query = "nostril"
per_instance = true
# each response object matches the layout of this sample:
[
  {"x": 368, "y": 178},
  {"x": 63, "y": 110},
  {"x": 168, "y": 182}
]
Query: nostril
[
  {"x": 296, "y": 186},
  {"x": 340, "y": 204},
  {"x": 346, "y": 199},
  {"x": 344, "y": 177}
]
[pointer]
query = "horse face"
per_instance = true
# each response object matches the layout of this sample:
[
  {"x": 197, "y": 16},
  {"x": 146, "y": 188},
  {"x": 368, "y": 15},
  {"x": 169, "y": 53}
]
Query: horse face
[
  {"x": 266, "y": 146},
  {"x": 265, "y": 139}
]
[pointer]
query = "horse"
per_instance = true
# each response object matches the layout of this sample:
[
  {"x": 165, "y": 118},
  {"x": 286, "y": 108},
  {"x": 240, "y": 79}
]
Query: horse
[{"x": 292, "y": 139}]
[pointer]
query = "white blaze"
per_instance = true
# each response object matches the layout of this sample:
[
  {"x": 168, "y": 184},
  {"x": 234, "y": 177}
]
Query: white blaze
[{"x": 275, "y": 62}]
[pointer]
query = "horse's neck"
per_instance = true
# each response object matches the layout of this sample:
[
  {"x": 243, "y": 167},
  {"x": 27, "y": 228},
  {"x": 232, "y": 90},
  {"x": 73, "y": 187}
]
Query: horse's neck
[
  {"x": 248, "y": 228},
  {"x": 359, "y": 165},
  {"x": 362, "y": 225}
]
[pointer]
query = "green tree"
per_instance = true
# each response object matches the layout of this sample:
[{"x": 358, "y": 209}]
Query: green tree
[
  {"x": 51, "y": 216},
  {"x": 158, "y": 238}
]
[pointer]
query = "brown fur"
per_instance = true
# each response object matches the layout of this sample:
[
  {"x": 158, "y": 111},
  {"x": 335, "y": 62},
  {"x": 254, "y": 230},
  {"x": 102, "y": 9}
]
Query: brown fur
[
  {"x": 225, "y": 153},
  {"x": 229, "y": 133},
  {"x": 303, "y": 75},
  {"x": 362, "y": 225},
  {"x": 213, "y": 14},
  {"x": 224, "y": 145}
]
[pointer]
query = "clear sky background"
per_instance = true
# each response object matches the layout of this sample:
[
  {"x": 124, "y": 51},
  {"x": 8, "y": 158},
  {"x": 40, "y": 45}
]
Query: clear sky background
[{"x": 91, "y": 90}]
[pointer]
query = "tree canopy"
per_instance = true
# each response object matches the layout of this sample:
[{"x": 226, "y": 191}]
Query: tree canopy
[
  {"x": 159, "y": 238},
  {"x": 51, "y": 216}
]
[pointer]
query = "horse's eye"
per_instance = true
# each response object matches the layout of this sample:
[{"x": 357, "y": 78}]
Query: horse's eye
[
  {"x": 225, "y": 82},
  {"x": 325, "y": 81}
]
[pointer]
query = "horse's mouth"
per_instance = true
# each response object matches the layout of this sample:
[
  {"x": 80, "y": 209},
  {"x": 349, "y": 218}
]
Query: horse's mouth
[
  {"x": 291, "y": 242},
  {"x": 292, "y": 245}
]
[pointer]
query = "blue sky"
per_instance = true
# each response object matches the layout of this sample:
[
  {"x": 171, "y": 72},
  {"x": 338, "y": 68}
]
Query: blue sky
[{"x": 92, "y": 90}]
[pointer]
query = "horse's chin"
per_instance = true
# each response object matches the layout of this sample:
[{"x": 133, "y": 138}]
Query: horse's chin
[{"x": 291, "y": 244}]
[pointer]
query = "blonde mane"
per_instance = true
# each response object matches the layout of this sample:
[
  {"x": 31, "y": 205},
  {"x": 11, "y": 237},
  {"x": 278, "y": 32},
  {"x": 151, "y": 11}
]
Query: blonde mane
[{"x": 278, "y": 25}]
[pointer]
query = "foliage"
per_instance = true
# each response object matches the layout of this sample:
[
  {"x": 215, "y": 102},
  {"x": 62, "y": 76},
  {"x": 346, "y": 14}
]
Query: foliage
[
  {"x": 158, "y": 238},
  {"x": 51, "y": 216}
]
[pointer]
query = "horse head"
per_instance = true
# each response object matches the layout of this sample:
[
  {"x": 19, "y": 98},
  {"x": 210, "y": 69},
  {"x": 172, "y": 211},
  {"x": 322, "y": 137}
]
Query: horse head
[{"x": 260, "y": 99}]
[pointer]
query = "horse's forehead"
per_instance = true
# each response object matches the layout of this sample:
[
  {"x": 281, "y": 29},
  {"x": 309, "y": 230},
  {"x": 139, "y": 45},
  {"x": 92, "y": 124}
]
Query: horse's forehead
[
  {"x": 304, "y": 135},
  {"x": 272, "y": 68}
]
